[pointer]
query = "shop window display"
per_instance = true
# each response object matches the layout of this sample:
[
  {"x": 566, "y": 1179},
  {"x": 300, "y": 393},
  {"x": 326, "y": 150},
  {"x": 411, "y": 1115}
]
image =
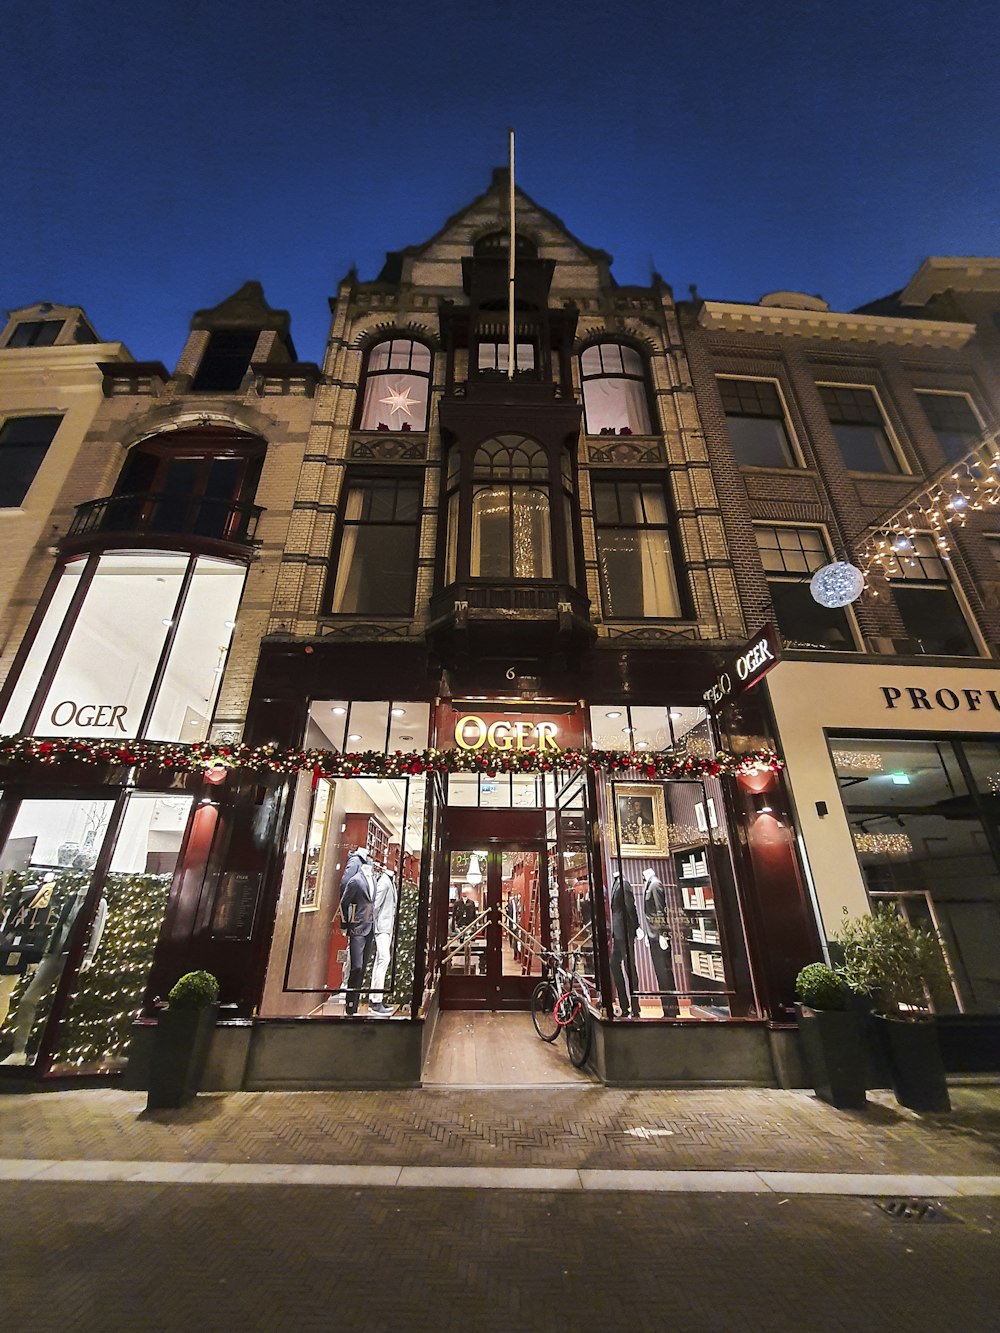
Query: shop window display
[
  {"x": 668, "y": 955},
  {"x": 48, "y": 894},
  {"x": 923, "y": 819},
  {"x": 345, "y": 936}
]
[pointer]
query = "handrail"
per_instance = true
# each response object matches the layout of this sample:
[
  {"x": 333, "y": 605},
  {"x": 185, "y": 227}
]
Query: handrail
[{"x": 160, "y": 512}]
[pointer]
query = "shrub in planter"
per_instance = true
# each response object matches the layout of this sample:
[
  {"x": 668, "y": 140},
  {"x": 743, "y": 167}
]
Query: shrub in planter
[
  {"x": 833, "y": 1038},
  {"x": 180, "y": 1045},
  {"x": 901, "y": 969}
]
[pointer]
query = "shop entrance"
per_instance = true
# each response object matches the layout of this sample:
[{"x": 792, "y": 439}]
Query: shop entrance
[{"x": 497, "y": 919}]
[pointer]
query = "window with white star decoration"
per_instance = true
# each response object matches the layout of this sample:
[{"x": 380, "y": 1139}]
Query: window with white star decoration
[{"x": 396, "y": 386}]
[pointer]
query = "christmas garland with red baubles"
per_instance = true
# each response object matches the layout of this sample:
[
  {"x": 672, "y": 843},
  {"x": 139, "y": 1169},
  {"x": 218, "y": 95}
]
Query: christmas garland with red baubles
[{"x": 204, "y": 756}]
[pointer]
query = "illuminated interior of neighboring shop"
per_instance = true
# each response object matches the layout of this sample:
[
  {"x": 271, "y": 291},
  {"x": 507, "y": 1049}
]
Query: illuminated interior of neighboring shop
[
  {"x": 310, "y": 962},
  {"x": 46, "y": 872},
  {"x": 923, "y": 819},
  {"x": 138, "y": 607}
]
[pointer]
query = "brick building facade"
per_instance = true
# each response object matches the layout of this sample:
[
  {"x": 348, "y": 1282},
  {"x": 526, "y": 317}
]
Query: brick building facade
[{"x": 410, "y": 579}]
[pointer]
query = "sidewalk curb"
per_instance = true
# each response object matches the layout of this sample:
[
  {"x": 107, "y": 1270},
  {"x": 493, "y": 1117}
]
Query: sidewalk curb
[{"x": 48, "y": 1171}]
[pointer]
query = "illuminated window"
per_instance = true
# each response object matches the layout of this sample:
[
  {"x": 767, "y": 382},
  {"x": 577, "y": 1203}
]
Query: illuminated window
[
  {"x": 614, "y": 390},
  {"x": 396, "y": 386}
]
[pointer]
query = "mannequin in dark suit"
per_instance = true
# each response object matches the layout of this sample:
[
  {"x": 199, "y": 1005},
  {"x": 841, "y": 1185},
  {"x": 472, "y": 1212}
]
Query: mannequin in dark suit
[
  {"x": 625, "y": 930},
  {"x": 357, "y": 908},
  {"x": 654, "y": 906}
]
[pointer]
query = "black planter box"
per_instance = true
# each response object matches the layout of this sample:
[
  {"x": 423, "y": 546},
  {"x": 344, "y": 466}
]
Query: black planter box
[
  {"x": 180, "y": 1049},
  {"x": 834, "y": 1045},
  {"x": 913, "y": 1051}
]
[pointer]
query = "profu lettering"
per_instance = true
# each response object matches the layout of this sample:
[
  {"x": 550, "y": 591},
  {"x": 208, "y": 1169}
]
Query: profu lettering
[{"x": 950, "y": 700}]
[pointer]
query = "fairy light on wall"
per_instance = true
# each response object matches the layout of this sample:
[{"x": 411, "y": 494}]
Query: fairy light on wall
[
  {"x": 883, "y": 844},
  {"x": 867, "y": 761}
]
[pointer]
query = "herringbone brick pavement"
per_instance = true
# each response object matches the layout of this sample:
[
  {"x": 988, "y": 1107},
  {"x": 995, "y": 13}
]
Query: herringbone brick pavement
[
  {"x": 581, "y": 1127},
  {"x": 160, "y": 1259}
]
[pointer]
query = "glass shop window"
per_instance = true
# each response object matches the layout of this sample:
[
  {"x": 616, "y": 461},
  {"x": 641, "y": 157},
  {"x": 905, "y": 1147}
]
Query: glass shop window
[
  {"x": 358, "y": 725},
  {"x": 47, "y": 896},
  {"x": 136, "y": 616},
  {"x": 923, "y": 819},
  {"x": 345, "y": 936},
  {"x": 660, "y": 727},
  {"x": 669, "y": 881}
]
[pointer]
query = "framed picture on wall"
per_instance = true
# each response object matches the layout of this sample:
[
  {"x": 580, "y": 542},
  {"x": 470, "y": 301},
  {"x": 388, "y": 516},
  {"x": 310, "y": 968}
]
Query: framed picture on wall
[{"x": 641, "y": 818}]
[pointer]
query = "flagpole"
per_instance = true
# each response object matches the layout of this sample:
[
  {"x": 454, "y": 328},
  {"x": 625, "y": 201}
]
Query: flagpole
[{"x": 510, "y": 262}]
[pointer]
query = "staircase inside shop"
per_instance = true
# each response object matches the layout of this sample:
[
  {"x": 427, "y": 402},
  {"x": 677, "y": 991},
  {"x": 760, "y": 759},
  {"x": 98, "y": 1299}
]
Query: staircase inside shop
[{"x": 478, "y": 1048}]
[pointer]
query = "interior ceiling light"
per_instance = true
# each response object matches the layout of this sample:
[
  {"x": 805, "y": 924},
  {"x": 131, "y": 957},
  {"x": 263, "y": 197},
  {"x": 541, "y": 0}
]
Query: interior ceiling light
[
  {"x": 354, "y": 736},
  {"x": 398, "y": 712},
  {"x": 339, "y": 712},
  {"x": 615, "y": 714}
]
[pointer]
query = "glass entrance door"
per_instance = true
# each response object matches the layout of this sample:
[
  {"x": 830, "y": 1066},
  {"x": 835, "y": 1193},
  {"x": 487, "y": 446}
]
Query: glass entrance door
[{"x": 497, "y": 924}]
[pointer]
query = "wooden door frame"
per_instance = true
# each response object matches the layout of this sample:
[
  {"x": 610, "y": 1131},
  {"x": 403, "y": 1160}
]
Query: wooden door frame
[{"x": 493, "y": 991}]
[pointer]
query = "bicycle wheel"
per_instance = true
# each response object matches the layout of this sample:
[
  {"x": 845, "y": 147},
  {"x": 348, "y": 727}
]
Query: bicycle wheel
[
  {"x": 543, "y": 1003},
  {"x": 579, "y": 1034}
]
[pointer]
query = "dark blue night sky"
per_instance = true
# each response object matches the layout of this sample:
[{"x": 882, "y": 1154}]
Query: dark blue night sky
[{"x": 156, "y": 156}]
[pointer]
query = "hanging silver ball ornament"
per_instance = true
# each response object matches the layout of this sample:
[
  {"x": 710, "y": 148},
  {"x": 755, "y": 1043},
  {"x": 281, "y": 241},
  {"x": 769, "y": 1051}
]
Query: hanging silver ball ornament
[{"x": 837, "y": 584}]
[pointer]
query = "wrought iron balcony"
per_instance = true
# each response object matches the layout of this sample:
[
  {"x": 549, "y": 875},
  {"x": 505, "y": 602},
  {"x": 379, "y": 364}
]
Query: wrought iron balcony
[
  {"x": 526, "y": 616},
  {"x": 197, "y": 520}
]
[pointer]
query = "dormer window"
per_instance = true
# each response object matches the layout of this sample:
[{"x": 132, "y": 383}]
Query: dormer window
[
  {"x": 35, "y": 333},
  {"x": 615, "y": 399},
  {"x": 225, "y": 360},
  {"x": 397, "y": 386}
]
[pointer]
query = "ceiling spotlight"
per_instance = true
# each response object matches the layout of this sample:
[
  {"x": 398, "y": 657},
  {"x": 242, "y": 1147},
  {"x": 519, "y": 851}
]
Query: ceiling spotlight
[
  {"x": 354, "y": 736},
  {"x": 398, "y": 712},
  {"x": 615, "y": 714},
  {"x": 338, "y": 712},
  {"x": 168, "y": 623},
  {"x": 675, "y": 713},
  {"x": 229, "y": 624}
]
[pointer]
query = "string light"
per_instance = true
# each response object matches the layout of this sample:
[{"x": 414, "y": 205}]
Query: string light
[
  {"x": 969, "y": 485},
  {"x": 883, "y": 844},
  {"x": 869, "y": 761},
  {"x": 695, "y": 759}
]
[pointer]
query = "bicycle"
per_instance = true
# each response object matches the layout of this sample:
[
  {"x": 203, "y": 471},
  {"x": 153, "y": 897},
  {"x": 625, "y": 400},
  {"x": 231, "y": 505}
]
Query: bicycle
[{"x": 561, "y": 1003}]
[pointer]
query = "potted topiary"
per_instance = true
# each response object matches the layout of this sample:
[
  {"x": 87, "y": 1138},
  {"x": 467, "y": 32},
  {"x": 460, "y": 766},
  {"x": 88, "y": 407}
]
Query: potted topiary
[
  {"x": 183, "y": 1035},
  {"x": 900, "y": 968},
  {"x": 833, "y": 1037}
]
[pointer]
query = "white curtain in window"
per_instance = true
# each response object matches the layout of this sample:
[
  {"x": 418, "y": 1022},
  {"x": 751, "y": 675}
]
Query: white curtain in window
[
  {"x": 614, "y": 403},
  {"x": 656, "y": 566},
  {"x": 345, "y": 565}
]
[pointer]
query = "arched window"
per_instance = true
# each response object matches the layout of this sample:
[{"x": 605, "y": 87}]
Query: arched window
[
  {"x": 397, "y": 386},
  {"x": 614, "y": 390},
  {"x": 511, "y": 534},
  {"x": 197, "y": 481}
]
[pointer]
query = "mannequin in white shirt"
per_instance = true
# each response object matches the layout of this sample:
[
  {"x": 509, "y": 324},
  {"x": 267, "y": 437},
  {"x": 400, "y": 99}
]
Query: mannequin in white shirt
[{"x": 386, "y": 898}]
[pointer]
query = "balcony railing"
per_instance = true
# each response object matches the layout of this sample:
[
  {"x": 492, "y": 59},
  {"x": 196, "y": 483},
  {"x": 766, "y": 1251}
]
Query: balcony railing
[{"x": 160, "y": 514}]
